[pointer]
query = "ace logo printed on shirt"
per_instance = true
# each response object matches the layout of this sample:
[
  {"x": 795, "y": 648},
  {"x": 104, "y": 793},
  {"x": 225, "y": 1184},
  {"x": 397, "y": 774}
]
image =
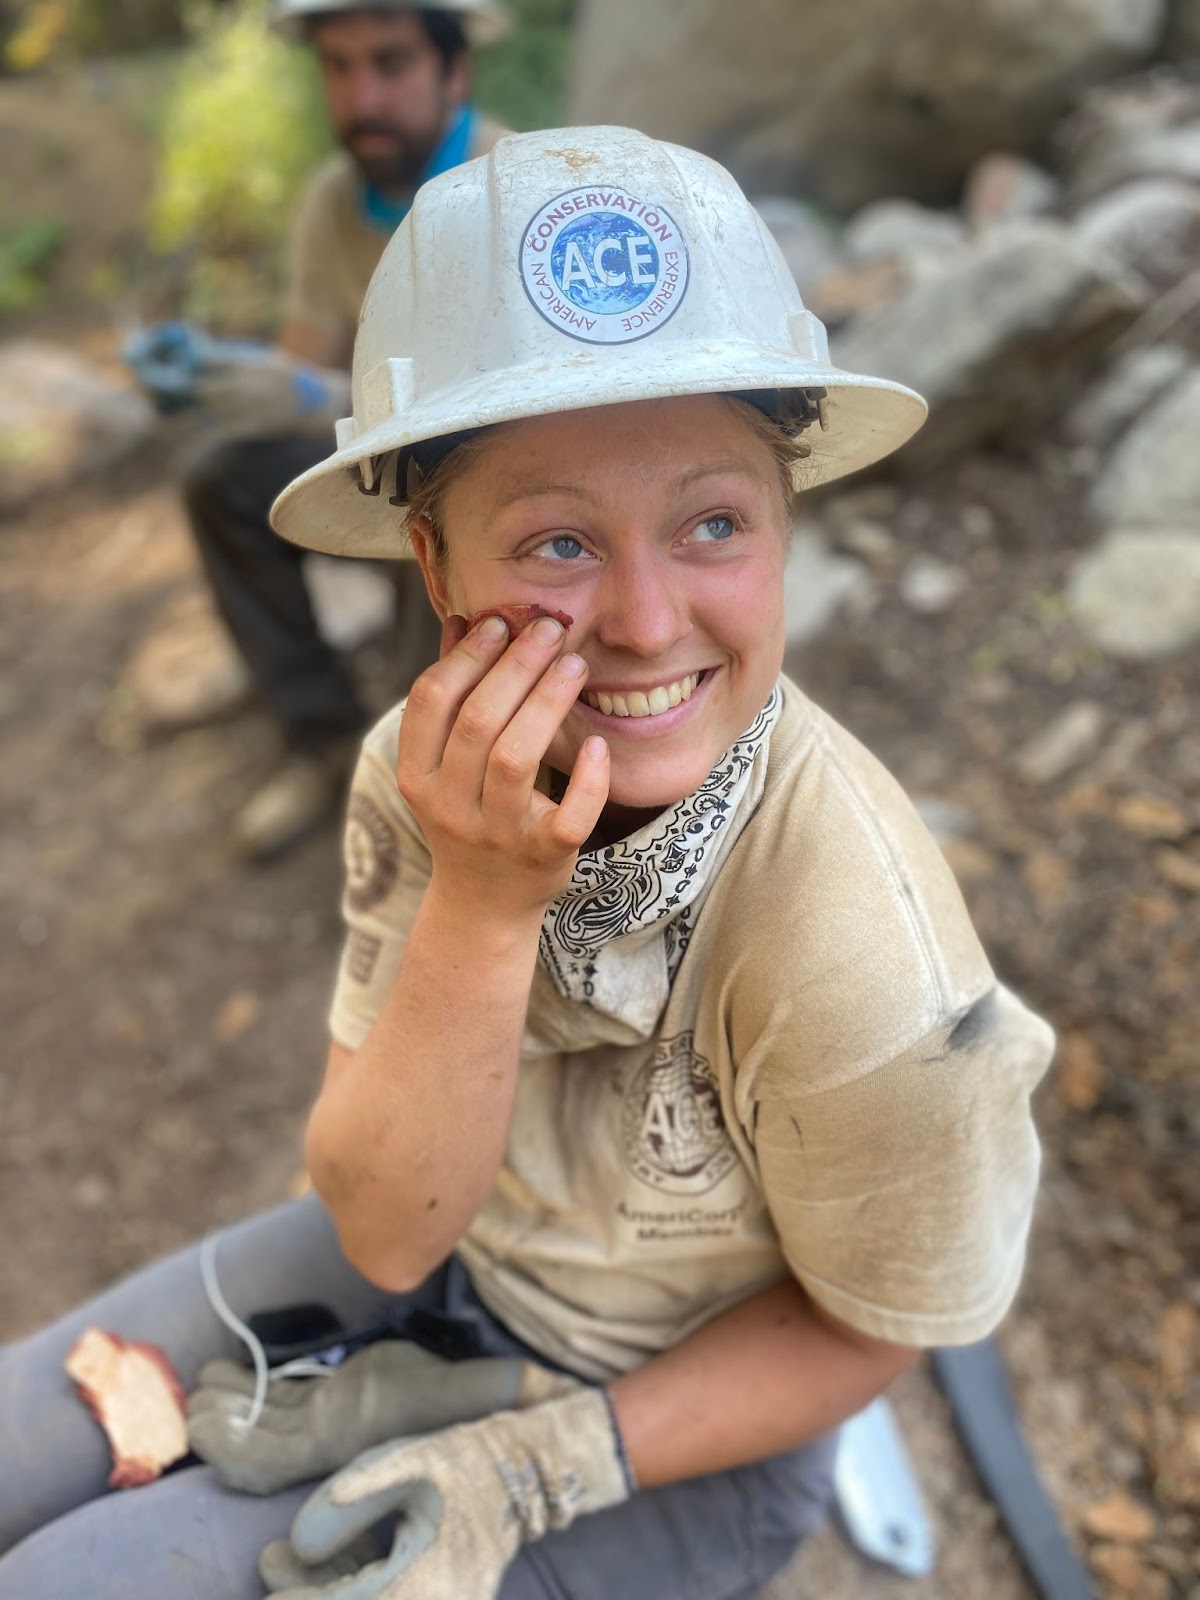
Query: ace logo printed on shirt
[{"x": 673, "y": 1134}]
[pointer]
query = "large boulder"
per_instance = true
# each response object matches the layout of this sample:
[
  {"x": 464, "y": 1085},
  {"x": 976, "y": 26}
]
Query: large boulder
[
  {"x": 810, "y": 246},
  {"x": 1152, "y": 479},
  {"x": 1182, "y": 42},
  {"x": 61, "y": 416},
  {"x": 848, "y": 103},
  {"x": 1151, "y": 226},
  {"x": 1147, "y": 126},
  {"x": 1004, "y": 188},
  {"x": 902, "y": 230},
  {"x": 1001, "y": 340},
  {"x": 1137, "y": 594},
  {"x": 1130, "y": 387}
]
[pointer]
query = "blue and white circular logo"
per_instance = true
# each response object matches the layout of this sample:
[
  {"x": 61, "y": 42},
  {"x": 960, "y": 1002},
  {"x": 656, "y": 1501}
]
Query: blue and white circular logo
[{"x": 604, "y": 265}]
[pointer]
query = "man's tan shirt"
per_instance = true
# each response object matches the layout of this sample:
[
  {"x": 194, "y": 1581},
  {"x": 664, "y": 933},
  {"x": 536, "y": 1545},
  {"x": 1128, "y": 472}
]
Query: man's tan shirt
[{"x": 335, "y": 249}]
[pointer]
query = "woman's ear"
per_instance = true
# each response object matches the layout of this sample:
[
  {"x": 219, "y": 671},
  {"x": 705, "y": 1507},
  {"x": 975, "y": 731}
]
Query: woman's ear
[{"x": 420, "y": 533}]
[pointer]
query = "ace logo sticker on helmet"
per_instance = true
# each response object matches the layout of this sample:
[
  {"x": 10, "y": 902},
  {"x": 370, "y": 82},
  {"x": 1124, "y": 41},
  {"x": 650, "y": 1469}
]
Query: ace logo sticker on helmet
[{"x": 604, "y": 265}]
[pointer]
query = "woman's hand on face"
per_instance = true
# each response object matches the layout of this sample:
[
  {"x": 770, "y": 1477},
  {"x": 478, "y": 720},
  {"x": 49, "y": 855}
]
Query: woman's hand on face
[{"x": 475, "y": 731}]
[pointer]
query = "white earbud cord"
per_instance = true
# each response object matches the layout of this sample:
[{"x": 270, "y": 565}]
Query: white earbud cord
[{"x": 302, "y": 1367}]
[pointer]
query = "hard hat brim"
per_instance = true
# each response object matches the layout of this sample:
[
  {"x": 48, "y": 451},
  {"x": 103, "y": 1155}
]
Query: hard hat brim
[
  {"x": 483, "y": 24},
  {"x": 329, "y": 508}
]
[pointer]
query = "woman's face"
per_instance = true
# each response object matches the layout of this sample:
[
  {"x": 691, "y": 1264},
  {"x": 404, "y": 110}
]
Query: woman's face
[{"x": 660, "y": 527}]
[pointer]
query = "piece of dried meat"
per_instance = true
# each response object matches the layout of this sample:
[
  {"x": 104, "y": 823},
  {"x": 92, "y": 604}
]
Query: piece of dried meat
[
  {"x": 135, "y": 1395},
  {"x": 519, "y": 616}
]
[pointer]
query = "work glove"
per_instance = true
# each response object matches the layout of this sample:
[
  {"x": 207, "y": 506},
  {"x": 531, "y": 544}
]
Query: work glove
[
  {"x": 241, "y": 387},
  {"x": 466, "y": 1499},
  {"x": 311, "y": 1426}
]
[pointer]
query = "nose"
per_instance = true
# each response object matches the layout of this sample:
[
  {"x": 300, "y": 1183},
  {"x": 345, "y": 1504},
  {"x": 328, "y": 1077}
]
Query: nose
[
  {"x": 364, "y": 92},
  {"x": 643, "y": 609}
]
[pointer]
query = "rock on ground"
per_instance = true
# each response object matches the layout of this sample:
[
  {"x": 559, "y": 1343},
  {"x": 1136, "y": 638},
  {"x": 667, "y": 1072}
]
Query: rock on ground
[
  {"x": 998, "y": 341},
  {"x": 806, "y": 239},
  {"x": 1182, "y": 41},
  {"x": 1134, "y": 382},
  {"x": 904, "y": 230},
  {"x": 815, "y": 584},
  {"x": 1153, "y": 477},
  {"x": 185, "y": 670},
  {"x": 1137, "y": 594},
  {"x": 851, "y": 103},
  {"x": 929, "y": 586},
  {"x": 1003, "y": 187},
  {"x": 1062, "y": 745},
  {"x": 1145, "y": 126},
  {"x": 1151, "y": 226},
  {"x": 61, "y": 417},
  {"x": 353, "y": 600}
]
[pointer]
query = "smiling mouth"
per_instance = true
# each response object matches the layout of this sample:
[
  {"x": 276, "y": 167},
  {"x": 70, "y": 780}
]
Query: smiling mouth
[{"x": 647, "y": 702}]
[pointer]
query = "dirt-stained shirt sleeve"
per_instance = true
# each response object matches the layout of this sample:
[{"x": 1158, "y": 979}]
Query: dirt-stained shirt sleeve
[
  {"x": 903, "y": 1197},
  {"x": 880, "y": 1075},
  {"x": 387, "y": 871},
  {"x": 332, "y": 255}
]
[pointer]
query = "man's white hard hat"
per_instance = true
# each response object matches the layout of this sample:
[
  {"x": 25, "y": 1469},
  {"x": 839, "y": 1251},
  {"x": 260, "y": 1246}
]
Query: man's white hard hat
[
  {"x": 566, "y": 269},
  {"x": 483, "y": 23}
]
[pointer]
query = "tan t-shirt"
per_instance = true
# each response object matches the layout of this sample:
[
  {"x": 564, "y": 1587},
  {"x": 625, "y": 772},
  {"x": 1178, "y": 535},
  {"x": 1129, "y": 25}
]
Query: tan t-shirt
[
  {"x": 837, "y": 1087},
  {"x": 335, "y": 249}
]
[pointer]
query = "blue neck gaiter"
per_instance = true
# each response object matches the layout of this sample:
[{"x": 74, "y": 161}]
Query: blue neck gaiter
[{"x": 387, "y": 214}]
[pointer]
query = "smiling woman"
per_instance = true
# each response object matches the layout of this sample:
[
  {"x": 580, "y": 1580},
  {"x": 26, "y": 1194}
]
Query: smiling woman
[
  {"x": 664, "y": 539},
  {"x": 647, "y": 1089}
]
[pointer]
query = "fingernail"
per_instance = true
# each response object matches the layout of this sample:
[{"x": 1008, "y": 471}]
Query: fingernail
[
  {"x": 595, "y": 748},
  {"x": 571, "y": 666},
  {"x": 493, "y": 629},
  {"x": 547, "y": 631}
]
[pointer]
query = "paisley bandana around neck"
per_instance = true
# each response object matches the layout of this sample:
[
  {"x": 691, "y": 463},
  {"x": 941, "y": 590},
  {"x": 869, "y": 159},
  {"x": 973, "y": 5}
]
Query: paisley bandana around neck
[{"x": 614, "y": 938}]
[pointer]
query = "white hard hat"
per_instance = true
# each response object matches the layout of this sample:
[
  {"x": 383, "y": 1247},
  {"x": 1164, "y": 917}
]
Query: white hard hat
[
  {"x": 483, "y": 23},
  {"x": 573, "y": 268}
]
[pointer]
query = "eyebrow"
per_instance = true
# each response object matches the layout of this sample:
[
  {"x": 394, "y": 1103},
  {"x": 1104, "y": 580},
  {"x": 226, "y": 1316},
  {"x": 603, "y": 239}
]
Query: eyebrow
[
  {"x": 711, "y": 469},
  {"x": 715, "y": 469},
  {"x": 531, "y": 491}
]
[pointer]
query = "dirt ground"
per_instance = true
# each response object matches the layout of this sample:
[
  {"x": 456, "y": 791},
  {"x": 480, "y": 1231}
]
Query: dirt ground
[{"x": 164, "y": 1008}]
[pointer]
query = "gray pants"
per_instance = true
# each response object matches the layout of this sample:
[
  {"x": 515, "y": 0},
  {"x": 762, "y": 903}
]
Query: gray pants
[
  {"x": 186, "y": 1538},
  {"x": 258, "y": 585}
]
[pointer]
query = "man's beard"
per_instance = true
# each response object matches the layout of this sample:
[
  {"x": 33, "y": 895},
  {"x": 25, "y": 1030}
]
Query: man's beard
[{"x": 398, "y": 169}]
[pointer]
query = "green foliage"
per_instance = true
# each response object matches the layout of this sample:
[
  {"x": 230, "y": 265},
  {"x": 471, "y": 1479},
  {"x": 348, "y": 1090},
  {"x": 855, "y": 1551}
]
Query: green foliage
[
  {"x": 521, "y": 81},
  {"x": 34, "y": 33},
  {"x": 244, "y": 128},
  {"x": 245, "y": 124},
  {"x": 25, "y": 255}
]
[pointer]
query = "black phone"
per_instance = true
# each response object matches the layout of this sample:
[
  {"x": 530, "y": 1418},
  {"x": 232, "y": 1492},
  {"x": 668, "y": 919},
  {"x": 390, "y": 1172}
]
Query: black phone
[{"x": 290, "y": 1332}]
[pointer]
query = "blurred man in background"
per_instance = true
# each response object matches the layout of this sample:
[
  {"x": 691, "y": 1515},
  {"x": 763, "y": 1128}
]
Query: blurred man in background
[{"x": 397, "y": 84}]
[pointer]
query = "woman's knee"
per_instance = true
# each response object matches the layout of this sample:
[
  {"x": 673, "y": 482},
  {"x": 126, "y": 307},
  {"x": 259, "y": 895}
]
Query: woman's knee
[
  {"x": 54, "y": 1456},
  {"x": 183, "y": 1537},
  {"x": 720, "y": 1537},
  {"x": 790, "y": 1498}
]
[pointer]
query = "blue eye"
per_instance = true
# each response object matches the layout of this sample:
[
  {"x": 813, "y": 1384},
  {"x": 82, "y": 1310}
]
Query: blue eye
[
  {"x": 712, "y": 530},
  {"x": 563, "y": 547}
]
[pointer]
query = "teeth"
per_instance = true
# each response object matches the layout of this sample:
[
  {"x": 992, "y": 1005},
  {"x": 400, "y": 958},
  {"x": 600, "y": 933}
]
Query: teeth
[{"x": 651, "y": 703}]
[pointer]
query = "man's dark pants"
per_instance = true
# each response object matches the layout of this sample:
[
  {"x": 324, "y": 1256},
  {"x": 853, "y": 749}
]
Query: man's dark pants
[{"x": 258, "y": 584}]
